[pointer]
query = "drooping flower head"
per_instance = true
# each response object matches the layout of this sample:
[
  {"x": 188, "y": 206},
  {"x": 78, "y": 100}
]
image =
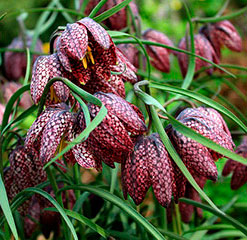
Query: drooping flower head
[
  {"x": 15, "y": 63},
  {"x": 159, "y": 55},
  {"x": 222, "y": 33},
  {"x": 239, "y": 177},
  {"x": 26, "y": 170},
  {"x": 85, "y": 49},
  {"x": 199, "y": 159},
  {"x": 148, "y": 165},
  {"x": 202, "y": 48}
]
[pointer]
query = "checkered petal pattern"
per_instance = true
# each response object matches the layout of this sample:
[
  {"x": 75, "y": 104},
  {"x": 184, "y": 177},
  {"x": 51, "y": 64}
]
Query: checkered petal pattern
[
  {"x": 202, "y": 48},
  {"x": 99, "y": 33},
  {"x": 44, "y": 69},
  {"x": 123, "y": 110},
  {"x": 239, "y": 177},
  {"x": 53, "y": 132},
  {"x": 223, "y": 33},
  {"x": 149, "y": 164},
  {"x": 25, "y": 171},
  {"x": 125, "y": 67},
  {"x": 37, "y": 127},
  {"x": 159, "y": 55}
]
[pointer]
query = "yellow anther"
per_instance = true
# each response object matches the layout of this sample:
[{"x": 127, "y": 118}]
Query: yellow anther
[
  {"x": 53, "y": 95},
  {"x": 84, "y": 61},
  {"x": 89, "y": 49},
  {"x": 91, "y": 57}
]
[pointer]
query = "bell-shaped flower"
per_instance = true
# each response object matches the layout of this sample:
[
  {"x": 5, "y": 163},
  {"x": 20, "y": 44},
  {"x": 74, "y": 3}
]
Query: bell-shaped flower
[
  {"x": 198, "y": 158},
  {"x": 26, "y": 170},
  {"x": 202, "y": 48},
  {"x": 86, "y": 49},
  {"x": 148, "y": 165},
  {"x": 222, "y": 33},
  {"x": 15, "y": 63},
  {"x": 239, "y": 177},
  {"x": 159, "y": 56},
  {"x": 45, "y": 68},
  {"x": 111, "y": 140}
]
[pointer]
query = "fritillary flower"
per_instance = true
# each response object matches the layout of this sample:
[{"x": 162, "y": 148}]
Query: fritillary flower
[
  {"x": 159, "y": 55},
  {"x": 148, "y": 165},
  {"x": 239, "y": 177},
  {"x": 223, "y": 33},
  {"x": 203, "y": 48}
]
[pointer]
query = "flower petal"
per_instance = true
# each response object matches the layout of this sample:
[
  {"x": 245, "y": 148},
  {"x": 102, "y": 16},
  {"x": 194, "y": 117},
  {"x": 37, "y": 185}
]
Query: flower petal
[
  {"x": 56, "y": 127},
  {"x": 122, "y": 109},
  {"x": 161, "y": 171},
  {"x": 111, "y": 133},
  {"x": 135, "y": 172},
  {"x": 99, "y": 34}
]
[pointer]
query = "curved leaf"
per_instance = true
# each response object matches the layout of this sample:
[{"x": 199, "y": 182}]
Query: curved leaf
[
  {"x": 121, "y": 204},
  {"x": 6, "y": 209}
]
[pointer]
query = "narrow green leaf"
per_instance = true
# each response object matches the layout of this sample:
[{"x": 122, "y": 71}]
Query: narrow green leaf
[
  {"x": 6, "y": 209},
  {"x": 97, "y": 8},
  {"x": 111, "y": 11},
  {"x": 220, "y": 214},
  {"x": 221, "y": 18},
  {"x": 86, "y": 221},
  {"x": 2, "y": 16},
  {"x": 56, "y": 205},
  {"x": 22, "y": 116},
  {"x": 66, "y": 15},
  {"x": 122, "y": 205},
  {"x": 146, "y": 42},
  {"x": 10, "y": 104},
  {"x": 210, "y": 221},
  {"x": 192, "y": 61},
  {"x": 27, "y": 74},
  {"x": 201, "y": 98},
  {"x": 211, "y": 227}
]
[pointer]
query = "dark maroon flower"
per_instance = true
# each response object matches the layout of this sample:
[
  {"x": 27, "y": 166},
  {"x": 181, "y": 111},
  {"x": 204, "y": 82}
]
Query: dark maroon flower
[
  {"x": 86, "y": 49},
  {"x": 130, "y": 52},
  {"x": 26, "y": 170},
  {"x": 45, "y": 68},
  {"x": 15, "y": 63},
  {"x": 9, "y": 88},
  {"x": 202, "y": 48},
  {"x": 111, "y": 141},
  {"x": 148, "y": 165},
  {"x": 199, "y": 159},
  {"x": 239, "y": 177},
  {"x": 49, "y": 221},
  {"x": 118, "y": 20},
  {"x": 159, "y": 55},
  {"x": 223, "y": 33},
  {"x": 48, "y": 132},
  {"x": 186, "y": 210}
]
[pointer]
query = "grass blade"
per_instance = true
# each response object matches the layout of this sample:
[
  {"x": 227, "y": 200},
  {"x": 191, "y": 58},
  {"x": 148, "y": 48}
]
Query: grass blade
[{"x": 6, "y": 209}]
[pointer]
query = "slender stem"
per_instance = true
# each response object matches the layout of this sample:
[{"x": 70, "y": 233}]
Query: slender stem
[
  {"x": 77, "y": 179},
  {"x": 178, "y": 218},
  {"x": 180, "y": 99},
  {"x": 23, "y": 31},
  {"x": 221, "y": 11},
  {"x": 217, "y": 19}
]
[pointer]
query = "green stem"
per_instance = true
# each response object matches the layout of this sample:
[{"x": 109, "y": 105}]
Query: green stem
[
  {"x": 178, "y": 219},
  {"x": 119, "y": 41},
  {"x": 221, "y": 11},
  {"x": 217, "y": 19},
  {"x": 97, "y": 8}
]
